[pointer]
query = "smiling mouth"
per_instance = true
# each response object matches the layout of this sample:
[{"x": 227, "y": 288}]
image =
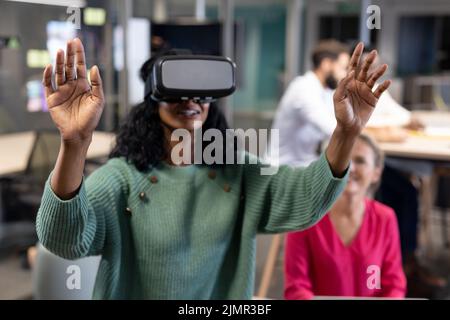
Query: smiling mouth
[{"x": 188, "y": 112}]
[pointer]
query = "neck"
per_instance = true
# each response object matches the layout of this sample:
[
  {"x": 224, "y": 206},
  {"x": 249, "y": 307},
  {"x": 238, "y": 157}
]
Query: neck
[
  {"x": 351, "y": 206},
  {"x": 321, "y": 76}
]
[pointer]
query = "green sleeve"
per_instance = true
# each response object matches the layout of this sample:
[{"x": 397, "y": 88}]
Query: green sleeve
[
  {"x": 78, "y": 227},
  {"x": 292, "y": 198}
]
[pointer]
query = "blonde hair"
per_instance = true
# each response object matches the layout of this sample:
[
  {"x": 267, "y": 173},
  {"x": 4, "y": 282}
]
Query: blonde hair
[
  {"x": 378, "y": 157},
  {"x": 378, "y": 153}
]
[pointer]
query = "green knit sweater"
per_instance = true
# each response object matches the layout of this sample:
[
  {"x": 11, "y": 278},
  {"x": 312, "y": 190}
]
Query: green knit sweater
[{"x": 181, "y": 232}]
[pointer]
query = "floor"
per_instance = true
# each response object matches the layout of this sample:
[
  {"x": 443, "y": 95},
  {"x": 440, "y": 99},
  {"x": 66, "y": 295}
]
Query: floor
[{"x": 15, "y": 281}]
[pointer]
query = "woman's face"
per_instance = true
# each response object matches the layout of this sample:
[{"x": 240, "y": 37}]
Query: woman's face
[
  {"x": 363, "y": 170},
  {"x": 187, "y": 115}
]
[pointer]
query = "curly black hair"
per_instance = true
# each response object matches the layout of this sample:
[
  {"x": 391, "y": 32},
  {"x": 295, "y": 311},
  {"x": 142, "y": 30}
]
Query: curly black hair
[{"x": 141, "y": 140}]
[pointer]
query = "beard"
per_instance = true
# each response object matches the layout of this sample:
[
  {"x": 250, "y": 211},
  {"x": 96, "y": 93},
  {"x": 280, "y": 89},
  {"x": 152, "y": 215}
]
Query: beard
[{"x": 331, "y": 82}]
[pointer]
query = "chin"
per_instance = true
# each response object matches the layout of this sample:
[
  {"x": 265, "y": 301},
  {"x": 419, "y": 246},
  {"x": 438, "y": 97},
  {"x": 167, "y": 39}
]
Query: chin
[
  {"x": 192, "y": 124},
  {"x": 350, "y": 192},
  {"x": 187, "y": 124}
]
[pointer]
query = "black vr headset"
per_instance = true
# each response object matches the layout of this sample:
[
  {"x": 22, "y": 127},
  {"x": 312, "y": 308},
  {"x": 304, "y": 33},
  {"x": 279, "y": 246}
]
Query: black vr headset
[{"x": 190, "y": 77}]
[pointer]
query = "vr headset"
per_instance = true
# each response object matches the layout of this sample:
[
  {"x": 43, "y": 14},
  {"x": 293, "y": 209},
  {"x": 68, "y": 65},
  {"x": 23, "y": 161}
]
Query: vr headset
[{"x": 191, "y": 77}]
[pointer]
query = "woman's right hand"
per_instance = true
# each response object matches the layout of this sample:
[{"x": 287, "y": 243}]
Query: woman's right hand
[{"x": 75, "y": 106}]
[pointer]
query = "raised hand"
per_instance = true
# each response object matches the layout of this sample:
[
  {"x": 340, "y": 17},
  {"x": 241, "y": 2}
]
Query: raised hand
[
  {"x": 354, "y": 100},
  {"x": 75, "y": 105}
]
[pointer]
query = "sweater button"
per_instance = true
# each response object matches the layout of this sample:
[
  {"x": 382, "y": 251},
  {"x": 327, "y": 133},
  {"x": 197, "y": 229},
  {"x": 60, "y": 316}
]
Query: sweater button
[
  {"x": 128, "y": 211},
  {"x": 154, "y": 179},
  {"x": 142, "y": 196},
  {"x": 227, "y": 187},
  {"x": 212, "y": 174}
]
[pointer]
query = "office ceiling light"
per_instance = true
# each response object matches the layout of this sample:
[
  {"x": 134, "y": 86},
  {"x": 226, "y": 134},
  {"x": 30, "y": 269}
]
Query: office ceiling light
[
  {"x": 37, "y": 58},
  {"x": 94, "y": 16},
  {"x": 64, "y": 3}
]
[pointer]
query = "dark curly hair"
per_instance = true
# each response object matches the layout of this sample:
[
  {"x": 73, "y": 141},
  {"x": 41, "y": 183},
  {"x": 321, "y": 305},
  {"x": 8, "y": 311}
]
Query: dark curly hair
[{"x": 141, "y": 140}]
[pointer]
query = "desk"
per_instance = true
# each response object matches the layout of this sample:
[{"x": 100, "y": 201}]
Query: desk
[
  {"x": 419, "y": 147},
  {"x": 15, "y": 149},
  {"x": 433, "y": 145}
]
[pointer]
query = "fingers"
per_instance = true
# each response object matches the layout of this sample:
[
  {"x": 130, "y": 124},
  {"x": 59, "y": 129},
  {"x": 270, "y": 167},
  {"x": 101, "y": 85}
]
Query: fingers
[
  {"x": 373, "y": 78},
  {"x": 81, "y": 60},
  {"x": 354, "y": 61},
  {"x": 341, "y": 91},
  {"x": 70, "y": 61},
  {"x": 65, "y": 70},
  {"x": 59, "y": 74},
  {"x": 47, "y": 80},
  {"x": 382, "y": 88},
  {"x": 362, "y": 76},
  {"x": 96, "y": 82}
]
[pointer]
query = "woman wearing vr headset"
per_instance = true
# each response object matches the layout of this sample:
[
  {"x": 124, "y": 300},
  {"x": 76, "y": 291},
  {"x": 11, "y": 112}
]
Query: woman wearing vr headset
[{"x": 170, "y": 231}]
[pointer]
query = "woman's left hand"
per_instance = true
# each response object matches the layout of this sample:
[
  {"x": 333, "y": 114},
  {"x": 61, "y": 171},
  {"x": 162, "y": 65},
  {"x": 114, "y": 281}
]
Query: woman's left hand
[{"x": 354, "y": 100}]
